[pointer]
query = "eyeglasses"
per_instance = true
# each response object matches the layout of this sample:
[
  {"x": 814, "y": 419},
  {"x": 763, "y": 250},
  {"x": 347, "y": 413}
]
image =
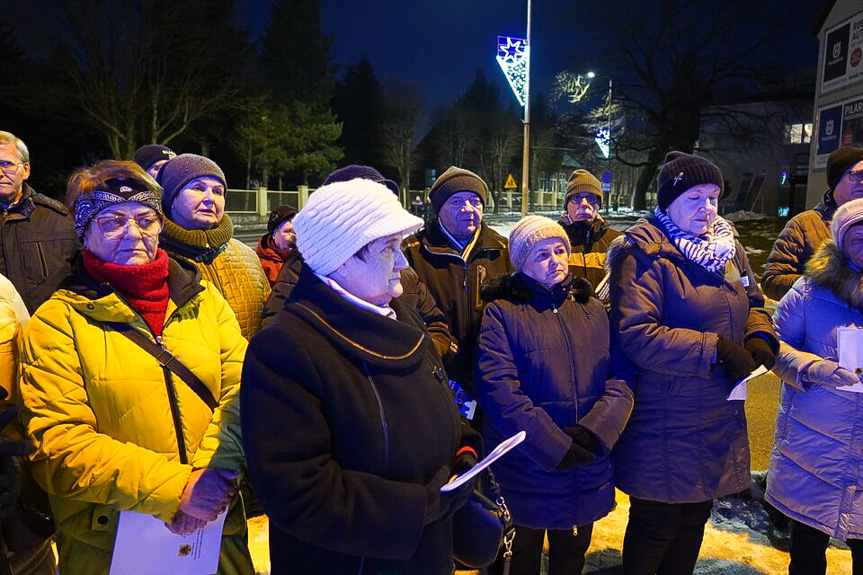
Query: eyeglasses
[
  {"x": 114, "y": 227},
  {"x": 8, "y": 167},
  {"x": 856, "y": 176},
  {"x": 591, "y": 198}
]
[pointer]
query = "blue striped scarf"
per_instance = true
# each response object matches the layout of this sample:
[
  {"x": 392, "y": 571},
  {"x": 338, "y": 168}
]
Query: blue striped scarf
[{"x": 711, "y": 252}]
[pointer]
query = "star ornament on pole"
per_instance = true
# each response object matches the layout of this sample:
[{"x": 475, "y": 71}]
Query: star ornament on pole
[
  {"x": 513, "y": 57},
  {"x": 603, "y": 140}
]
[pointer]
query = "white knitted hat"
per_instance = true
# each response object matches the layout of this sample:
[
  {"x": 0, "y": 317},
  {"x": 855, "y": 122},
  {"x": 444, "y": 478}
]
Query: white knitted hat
[
  {"x": 529, "y": 231},
  {"x": 342, "y": 217}
]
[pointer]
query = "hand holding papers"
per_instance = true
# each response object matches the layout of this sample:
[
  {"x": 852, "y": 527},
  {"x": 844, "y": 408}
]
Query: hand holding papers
[
  {"x": 498, "y": 452},
  {"x": 738, "y": 393},
  {"x": 849, "y": 341},
  {"x": 144, "y": 544}
]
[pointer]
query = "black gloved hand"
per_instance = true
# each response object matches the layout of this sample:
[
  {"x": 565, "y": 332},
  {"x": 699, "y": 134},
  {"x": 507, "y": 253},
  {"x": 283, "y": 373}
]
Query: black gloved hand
[
  {"x": 734, "y": 359},
  {"x": 581, "y": 451},
  {"x": 442, "y": 504},
  {"x": 463, "y": 462},
  {"x": 760, "y": 351}
]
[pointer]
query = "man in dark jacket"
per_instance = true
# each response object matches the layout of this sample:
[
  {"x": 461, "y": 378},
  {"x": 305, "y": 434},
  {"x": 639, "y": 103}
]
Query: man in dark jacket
[
  {"x": 453, "y": 256},
  {"x": 589, "y": 234},
  {"x": 805, "y": 232},
  {"x": 36, "y": 232}
]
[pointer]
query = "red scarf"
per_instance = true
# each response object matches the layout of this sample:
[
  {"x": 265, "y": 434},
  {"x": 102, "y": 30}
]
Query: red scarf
[{"x": 145, "y": 286}]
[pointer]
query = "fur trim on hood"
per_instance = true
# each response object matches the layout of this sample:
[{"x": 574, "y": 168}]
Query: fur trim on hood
[
  {"x": 508, "y": 287},
  {"x": 831, "y": 270}
]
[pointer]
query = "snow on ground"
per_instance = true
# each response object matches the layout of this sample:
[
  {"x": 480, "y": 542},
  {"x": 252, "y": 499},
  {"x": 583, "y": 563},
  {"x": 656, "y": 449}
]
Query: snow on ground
[{"x": 734, "y": 543}]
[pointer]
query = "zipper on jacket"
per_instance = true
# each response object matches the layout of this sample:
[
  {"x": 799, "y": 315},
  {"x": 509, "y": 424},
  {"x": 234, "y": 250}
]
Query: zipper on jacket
[
  {"x": 175, "y": 408},
  {"x": 571, "y": 355},
  {"x": 384, "y": 426}
]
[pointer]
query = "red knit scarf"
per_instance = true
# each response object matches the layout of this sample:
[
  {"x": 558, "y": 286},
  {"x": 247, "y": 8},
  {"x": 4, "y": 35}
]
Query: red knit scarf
[{"x": 145, "y": 286}]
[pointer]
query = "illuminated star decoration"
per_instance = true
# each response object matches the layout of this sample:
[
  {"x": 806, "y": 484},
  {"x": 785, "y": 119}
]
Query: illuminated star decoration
[
  {"x": 603, "y": 138},
  {"x": 513, "y": 56}
]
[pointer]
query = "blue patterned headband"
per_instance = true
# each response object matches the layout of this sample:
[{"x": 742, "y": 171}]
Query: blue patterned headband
[{"x": 117, "y": 191}]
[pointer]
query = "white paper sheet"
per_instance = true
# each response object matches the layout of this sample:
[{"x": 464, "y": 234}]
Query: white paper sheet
[
  {"x": 498, "y": 452},
  {"x": 849, "y": 341},
  {"x": 145, "y": 545},
  {"x": 738, "y": 393}
]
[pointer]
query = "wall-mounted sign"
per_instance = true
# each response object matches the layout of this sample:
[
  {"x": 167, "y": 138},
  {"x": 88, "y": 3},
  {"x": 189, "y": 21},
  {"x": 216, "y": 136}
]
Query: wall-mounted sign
[
  {"x": 843, "y": 55},
  {"x": 838, "y": 126}
]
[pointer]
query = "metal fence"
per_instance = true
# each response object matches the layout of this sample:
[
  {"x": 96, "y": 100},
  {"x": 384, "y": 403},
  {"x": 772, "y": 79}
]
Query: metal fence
[{"x": 261, "y": 201}]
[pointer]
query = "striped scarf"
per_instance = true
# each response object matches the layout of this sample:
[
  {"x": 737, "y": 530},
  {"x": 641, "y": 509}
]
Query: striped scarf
[{"x": 711, "y": 252}]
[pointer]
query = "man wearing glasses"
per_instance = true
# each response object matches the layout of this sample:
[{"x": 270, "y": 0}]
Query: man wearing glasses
[
  {"x": 589, "y": 234},
  {"x": 804, "y": 233},
  {"x": 37, "y": 235}
]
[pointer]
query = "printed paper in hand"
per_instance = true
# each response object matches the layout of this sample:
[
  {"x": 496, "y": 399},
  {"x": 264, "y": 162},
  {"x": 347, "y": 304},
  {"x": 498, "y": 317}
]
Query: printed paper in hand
[
  {"x": 849, "y": 341},
  {"x": 739, "y": 391},
  {"x": 498, "y": 452},
  {"x": 142, "y": 540}
]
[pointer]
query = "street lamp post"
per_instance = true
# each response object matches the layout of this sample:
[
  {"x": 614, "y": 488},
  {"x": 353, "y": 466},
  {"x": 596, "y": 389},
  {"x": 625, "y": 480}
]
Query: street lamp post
[
  {"x": 513, "y": 56},
  {"x": 525, "y": 155}
]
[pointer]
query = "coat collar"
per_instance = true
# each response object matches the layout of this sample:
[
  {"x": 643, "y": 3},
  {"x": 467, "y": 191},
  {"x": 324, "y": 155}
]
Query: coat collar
[
  {"x": 648, "y": 235},
  {"x": 199, "y": 245},
  {"x": 585, "y": 235},
  {"x": 521, "y": 289},
  {"x": 830, "y": 269},
  {"x": 101, "y": 302},
  {"x": 435, "y": 241},
  {"x": 361, "y": 334}
]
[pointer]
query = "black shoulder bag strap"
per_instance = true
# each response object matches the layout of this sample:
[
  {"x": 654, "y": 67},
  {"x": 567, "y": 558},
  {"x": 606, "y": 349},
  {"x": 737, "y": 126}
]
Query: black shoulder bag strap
[{"x": 167, "y": 360}]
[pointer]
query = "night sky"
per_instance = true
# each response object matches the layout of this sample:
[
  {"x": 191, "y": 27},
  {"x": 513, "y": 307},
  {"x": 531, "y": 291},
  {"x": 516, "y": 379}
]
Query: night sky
[{"x": 439, "y": 44}]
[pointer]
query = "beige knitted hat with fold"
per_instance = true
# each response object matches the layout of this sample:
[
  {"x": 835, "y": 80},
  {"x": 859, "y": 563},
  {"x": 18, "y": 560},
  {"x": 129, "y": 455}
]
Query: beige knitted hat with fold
[{"x": 529, "y": 231}]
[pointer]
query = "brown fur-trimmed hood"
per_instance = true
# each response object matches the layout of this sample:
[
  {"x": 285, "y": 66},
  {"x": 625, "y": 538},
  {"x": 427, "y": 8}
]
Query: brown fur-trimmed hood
[{"x": 831, "y": 270}]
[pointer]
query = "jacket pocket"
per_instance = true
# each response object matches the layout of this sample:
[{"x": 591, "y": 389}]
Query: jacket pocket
[{"x": 35, "y": 261}]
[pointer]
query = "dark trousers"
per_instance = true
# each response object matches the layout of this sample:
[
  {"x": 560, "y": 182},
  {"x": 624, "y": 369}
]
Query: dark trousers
[
  {"x": 663, "y": 538},
  {"x": 565, "y": 551},
  {"x": 809, "y": 551}
]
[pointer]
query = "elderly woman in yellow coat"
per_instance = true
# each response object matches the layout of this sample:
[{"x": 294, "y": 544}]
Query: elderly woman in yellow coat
[{"x": 113, "y": 429}]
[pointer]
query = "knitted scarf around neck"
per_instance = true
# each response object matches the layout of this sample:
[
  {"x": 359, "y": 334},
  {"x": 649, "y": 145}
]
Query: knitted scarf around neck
[
  {"x": 198, "y": 245},
  {"x": 144, "y": 286},
  {"x": 712, "y": 251}
]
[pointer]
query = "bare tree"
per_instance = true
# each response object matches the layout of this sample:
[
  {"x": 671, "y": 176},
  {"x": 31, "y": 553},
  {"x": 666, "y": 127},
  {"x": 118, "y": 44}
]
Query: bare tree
[
  {"x": 401, "y": 115},
  {"x": 673, "y": 62},
  {"x": 141, "y": 71}
]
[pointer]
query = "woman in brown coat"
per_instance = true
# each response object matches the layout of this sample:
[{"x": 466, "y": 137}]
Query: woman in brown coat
[{"x": 690, "y": 318}]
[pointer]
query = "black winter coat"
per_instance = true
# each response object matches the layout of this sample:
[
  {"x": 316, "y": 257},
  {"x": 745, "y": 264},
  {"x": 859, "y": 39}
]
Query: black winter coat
[
  {"x": 544, "y": 362},
  {"x": 39, "y": 246},
  {"x": 342, "y": 434},
  {"x": 415, "y": 295}
]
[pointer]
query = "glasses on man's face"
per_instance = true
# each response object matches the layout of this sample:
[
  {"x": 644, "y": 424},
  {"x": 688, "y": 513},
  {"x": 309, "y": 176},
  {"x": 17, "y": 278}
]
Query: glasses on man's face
[
  {"x": 8, "y": 167},
  {"x": 591, "y": 198},
  {"x": 856, "y": 176},
  {"x": 114, "y": 227}
]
